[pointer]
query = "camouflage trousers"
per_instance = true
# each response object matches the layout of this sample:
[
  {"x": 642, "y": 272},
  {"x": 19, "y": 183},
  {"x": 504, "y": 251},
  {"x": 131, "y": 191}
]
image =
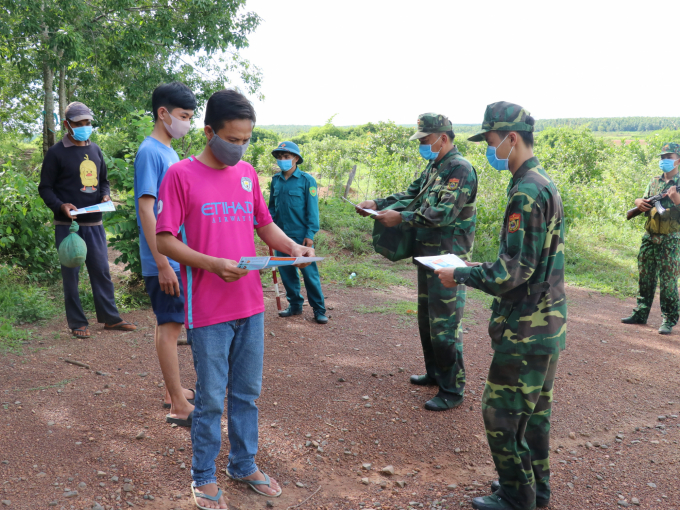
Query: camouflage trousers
[
  {"x": 659, "y": 259},
  {"x": 516, "y": 407},
  {"x": 440, "y": 315}
]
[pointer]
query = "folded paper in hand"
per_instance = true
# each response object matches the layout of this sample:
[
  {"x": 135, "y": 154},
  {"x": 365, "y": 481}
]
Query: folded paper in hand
[
  {"x": 369, "y": 211},
  {"x": 103, "y": 207},
  {"x": 254, "y": 263},
  {"x": 441, "y": 261}
]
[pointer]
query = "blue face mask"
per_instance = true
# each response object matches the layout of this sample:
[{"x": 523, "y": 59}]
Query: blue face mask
[
  {"x": 667, "y": 165},
  {"x": 81, "y": 133},
  {"x": 285, "y": 164},
  {"x": 426, "y": 151},
  {"x": 498, "y": 164}
]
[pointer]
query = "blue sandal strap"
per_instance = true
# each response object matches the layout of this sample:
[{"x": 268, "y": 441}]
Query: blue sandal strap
[
  {"x": 266, "y": 481},
  {"x": 205, "y": 496}
]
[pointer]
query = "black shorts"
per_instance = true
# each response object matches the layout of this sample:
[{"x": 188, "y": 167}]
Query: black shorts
[{"x": 166, "y": 307}]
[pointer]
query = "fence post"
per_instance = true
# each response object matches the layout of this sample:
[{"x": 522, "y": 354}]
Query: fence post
[{"x": 352, "y": 173}]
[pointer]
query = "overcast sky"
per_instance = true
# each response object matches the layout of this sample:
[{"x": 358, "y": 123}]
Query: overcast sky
[{"x": 372, "y": 60}]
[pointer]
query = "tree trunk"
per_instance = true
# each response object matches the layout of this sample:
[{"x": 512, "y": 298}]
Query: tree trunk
[
  {"x": 349, "y": 181},
  {"x": 63, "y": 98},
  {"x": 48, "y": 120}
]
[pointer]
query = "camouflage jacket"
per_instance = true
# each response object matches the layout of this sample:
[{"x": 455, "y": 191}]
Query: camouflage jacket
[
  {"x": 446, "y": 218},
  {"x": 529, "y": 314},
  {"x": 669, "y": 221}
]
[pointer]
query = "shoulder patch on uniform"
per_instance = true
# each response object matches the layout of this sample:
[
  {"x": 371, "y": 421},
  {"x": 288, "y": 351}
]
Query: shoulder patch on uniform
[
  {"x": 312, "y": 190},
  {"x": 514, "y": 222},
  {"x": 453, "y": 184}
]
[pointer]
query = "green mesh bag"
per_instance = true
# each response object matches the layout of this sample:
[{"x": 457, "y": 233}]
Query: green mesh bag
[{"x": 72, "y": 250}]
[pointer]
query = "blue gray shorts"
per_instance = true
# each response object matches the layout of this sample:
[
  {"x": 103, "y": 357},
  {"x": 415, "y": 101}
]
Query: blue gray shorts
[{"x": 166, "y": 307}]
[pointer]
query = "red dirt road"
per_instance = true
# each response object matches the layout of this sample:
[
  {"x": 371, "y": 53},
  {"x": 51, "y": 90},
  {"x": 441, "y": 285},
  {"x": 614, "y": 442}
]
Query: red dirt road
[{"x": 57, "y": 431}]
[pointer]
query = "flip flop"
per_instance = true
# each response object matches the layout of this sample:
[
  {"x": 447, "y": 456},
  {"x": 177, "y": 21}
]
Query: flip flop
[
  {"x": 254, "y": 483},
  {"x": 82, "y": 329},
  {"x": 121, "y": 326},
  {"x": 198, "y": 494},
  {"x": 190, "y": 400},
  {"x": 179, "y": 421}
]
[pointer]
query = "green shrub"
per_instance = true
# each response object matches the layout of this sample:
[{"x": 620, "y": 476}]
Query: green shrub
[{"x": 26, "y": 233}]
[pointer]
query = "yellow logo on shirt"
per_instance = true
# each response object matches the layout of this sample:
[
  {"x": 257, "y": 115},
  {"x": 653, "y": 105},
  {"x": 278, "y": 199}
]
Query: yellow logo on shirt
[
  {"x": 88, "y": 175},
  {"x": 312, "y": 191}
]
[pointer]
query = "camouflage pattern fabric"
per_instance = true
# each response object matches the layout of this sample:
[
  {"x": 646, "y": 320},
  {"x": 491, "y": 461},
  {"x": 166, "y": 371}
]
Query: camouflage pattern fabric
[
  {"x": 659, "y": 259},
  {"x": 516, "y": 407},
  {"x": 669, "y": 221},
  {"x": 529, "y": 313},
  {"x": 431, "y": 123},
  {"x": 670, "y": 148},
  {"x": 440, "y": 315},
  {"x": 445, "y": 223},
  {"x": 503, "y": 116},
  {"x": 447, "y": 216}
]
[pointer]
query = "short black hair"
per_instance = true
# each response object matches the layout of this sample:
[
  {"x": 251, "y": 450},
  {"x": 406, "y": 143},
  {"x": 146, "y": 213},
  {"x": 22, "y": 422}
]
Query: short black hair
[
  {"x": 225, "y": 105},
  {"x": 172, "y": 95},
  {"x": 451, "y": 135}
]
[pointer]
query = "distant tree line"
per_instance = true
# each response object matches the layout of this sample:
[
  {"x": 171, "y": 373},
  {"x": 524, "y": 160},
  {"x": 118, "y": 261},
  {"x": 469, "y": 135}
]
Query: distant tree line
[{"x": 614, "y": 123}]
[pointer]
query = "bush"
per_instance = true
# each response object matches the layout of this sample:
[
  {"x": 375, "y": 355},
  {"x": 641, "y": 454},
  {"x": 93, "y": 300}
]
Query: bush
[{"x": 26, "y": 233}]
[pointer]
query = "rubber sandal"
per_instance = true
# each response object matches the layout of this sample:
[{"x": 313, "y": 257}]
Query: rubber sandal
[
  {"x": 82, "y": 329},
  {"x": 198, "y": 494},
  {"x": 179, "y": 421},
  {"x": 254, "y": 483},
  {"x": 190, "y": 400},
  {"x": 121, "y": 326}
]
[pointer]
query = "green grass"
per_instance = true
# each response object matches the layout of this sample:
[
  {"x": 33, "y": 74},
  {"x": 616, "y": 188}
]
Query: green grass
[
  {"x": 370, "y": 271},
  {"x": 603, "y": 257},
  {"x": 11, "y": 338},
  {"x": 396, "y": 307}
]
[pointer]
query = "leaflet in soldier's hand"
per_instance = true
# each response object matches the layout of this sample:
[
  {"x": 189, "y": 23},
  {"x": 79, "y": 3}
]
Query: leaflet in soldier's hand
[
  {"x": 369, "y": 211},
  {"x": 255, "y": 263},
  {"x": 441, "y": 261}
]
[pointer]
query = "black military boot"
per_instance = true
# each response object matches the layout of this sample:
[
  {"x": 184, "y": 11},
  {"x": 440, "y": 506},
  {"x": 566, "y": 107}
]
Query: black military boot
[
  {"x": 290, "y": 311},
  {"x": 633, "y": 319},
  {"x": 443, "y": 401},
  {"x": 492, "y": 502},
  {"x": 542, "y": 500},
  {"x": 423, "y": 380}
]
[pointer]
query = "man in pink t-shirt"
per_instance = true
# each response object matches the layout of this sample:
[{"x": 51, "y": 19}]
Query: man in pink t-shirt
[{"x": 208, "y": 209}]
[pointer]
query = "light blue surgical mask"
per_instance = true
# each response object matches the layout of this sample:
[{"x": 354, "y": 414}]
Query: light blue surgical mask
[
  {"x": 426, "y": 151},
  {"x": 667, "y": 165},
  {"x": 81, "y": 133},
  {"x": 498, "y": 164},
  {"x": 285, "y": 164}
]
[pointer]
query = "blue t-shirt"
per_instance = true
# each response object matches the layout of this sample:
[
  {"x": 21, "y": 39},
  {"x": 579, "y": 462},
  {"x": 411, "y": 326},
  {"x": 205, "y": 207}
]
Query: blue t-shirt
[{"x": 151, "y": 163}]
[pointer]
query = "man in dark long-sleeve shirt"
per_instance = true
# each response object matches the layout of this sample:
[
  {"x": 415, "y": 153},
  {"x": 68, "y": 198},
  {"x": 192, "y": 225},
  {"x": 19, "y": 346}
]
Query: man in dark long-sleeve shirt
[{"x": 74, "y": 176}]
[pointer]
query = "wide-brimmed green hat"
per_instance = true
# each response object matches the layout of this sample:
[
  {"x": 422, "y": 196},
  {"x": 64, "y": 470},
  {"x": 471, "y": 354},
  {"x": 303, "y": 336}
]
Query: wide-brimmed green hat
[
  {"x": 503, "y": 116},
  {"x": 431, "y": 123},
  {"x": 288, "y": 147}
]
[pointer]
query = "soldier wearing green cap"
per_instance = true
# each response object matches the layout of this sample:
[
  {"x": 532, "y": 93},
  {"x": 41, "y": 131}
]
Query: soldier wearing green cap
[
  {"x": 659, "y": 257},
  {"x": 445, "y": 222},
  {"x": 529, "y": 314}
]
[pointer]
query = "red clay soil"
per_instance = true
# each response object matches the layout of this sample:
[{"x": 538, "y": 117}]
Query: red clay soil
[{"x": 334, "y": 398}]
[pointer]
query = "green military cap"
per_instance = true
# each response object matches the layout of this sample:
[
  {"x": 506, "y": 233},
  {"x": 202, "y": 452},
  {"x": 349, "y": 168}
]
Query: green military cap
[
  {"x": 431, "y": 123},
  {"x": 503, "y": 116},
  {"x": 670, "y": 148}
]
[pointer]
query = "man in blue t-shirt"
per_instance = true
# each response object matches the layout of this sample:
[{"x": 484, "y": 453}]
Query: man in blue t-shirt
[{"x": 173, "y": 106}]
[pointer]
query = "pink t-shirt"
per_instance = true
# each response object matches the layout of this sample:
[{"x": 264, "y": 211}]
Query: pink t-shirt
[{"x": 214, "y": 212}]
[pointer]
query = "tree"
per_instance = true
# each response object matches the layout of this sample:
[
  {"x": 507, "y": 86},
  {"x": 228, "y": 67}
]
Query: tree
[{"x": 110, "y": 54}]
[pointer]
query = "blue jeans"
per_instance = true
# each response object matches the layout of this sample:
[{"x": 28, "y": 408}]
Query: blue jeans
[{"x": 238, "y": 344}]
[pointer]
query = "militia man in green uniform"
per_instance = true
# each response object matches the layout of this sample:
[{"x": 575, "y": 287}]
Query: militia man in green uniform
[
  {"x": 445, "y": 223},
  {"x": 529, "y": 314},
  {"x": 659, "y": 256}
]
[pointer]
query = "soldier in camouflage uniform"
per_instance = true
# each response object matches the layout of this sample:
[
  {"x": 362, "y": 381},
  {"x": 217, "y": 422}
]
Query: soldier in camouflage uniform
[
  {"x": 660, "y": 251},
  {"x": 529, "y": 314},
  {"x": 445, "y": 223}
]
